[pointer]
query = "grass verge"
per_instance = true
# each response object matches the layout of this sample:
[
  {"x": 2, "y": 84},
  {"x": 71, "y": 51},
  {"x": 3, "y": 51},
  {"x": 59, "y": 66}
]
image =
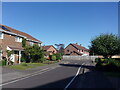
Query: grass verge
[{"x": 30, "y": 65}]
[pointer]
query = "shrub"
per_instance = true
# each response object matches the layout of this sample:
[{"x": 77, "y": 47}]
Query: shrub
[
  {"x": 58, "y": 56},
  {"x": 42, "y": 60},
  {"x": 53, "y": 57},
  {"x": 2, "y": 62},
  {"x": 108, "y": 64},
  {"x": 24, "y": 64},
  {"x": 97, "y": 60},
  {"x": 11, "y": 62},
  {"x": 50, "y": 57}
]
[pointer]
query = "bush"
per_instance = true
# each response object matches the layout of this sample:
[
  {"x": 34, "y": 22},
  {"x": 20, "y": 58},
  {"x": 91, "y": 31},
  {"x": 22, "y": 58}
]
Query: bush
[
  {"x": 53, "y": 57},
  {"x": 11, "y": 62},
  {"x": 97, "y": 60},
  {"x": 42, "y": 60},
  {"x": 58, "y": 56},
  {"x": 24, "y": 64},
  {"x": 2, "y": 62},
  {"x": 50, "y": 57},
  {"x": 108, "y": 64}
]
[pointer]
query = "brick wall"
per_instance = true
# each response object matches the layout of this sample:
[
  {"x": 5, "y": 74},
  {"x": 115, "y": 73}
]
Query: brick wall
[
  {"x": 9, "y": 40},
  {"x": 71, "y": 49}
]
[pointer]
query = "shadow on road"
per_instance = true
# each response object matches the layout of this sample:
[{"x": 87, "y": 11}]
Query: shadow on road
[
  {"x": 57, "y": 84},
  {"x": 89, "y": 80},
  {"x": 78, "y": 65}
]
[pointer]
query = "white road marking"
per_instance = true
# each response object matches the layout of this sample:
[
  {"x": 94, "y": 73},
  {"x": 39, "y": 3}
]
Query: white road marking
[
  {"x": 74, "y": 77},
  {"x": 27, "y": 76}
]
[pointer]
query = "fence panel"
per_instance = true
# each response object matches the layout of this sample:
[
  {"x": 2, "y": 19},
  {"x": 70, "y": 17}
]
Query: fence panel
[{"x": 79, "y": 57}]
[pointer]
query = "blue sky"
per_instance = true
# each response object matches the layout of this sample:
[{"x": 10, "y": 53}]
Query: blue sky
[{"x": 62, "y": 22}]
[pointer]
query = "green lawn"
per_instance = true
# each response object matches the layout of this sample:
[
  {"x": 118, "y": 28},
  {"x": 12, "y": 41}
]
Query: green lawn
[
  {"x": 112, "y": 74},
  {"x": 30, "y": 65}
]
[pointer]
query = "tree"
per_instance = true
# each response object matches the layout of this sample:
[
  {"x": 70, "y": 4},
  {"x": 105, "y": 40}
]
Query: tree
[
  {"x": 60, "y": 48},
  {"x": 34, "y": 53},
  {"x": 106, "y": 45}
]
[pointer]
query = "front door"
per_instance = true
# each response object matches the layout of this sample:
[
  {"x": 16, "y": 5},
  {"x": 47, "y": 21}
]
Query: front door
[{"x": 16, "y": 56}]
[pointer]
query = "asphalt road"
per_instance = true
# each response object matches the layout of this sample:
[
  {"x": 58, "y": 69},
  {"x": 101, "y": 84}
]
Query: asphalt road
[{"x": 55, "y": 77}]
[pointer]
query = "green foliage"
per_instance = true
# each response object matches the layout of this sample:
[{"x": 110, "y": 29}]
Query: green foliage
[
  {"x": 53, "y": 57},
  {"x": 2, "y": 62},
  {"x": 106, "y": 45},
  {"x": 11, "y": 62},
  {"x": 9, "y": 53},
  {"x": 23, "y": 43},
  {"x": 58, "y": 56},
  {"x": 108, "y": 64},
  {"x": 50, "y": 56},
  {"x": 42, "y": 60},
  {"x": 34, "y": 53},
  {"x": 24, "y": 64}
]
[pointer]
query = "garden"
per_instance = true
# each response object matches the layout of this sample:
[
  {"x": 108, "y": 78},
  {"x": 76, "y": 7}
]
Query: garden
[
  {"x": 106, "y": 45},
  {"x": 33, "y": 56}
]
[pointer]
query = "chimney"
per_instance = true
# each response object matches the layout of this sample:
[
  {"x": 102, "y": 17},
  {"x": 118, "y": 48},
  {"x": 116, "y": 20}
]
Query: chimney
[
  {"x": 80, "y": 44},
  {"x": 77, "y": 43}
]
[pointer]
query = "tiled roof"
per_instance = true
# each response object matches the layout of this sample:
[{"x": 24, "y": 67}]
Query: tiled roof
[
  {"x": 16, "y": 48},
  {"x": 9, "y": 29},
  {"x": 79, "y": 47},
  {"x": 47, "y": 47}
]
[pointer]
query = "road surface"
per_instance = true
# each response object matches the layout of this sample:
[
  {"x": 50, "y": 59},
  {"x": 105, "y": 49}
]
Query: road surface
[{"x": 56, "y": 77}]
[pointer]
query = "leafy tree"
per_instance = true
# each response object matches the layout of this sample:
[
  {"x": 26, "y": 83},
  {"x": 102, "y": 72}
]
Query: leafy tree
[
  {"x": 60, "y": 48},
  {"x": 106, "y": 45},
  {"x": 34, "y": 53}
]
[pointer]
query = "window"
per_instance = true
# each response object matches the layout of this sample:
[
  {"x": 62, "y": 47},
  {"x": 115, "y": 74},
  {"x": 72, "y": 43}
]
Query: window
[
  {"x": 39, "y": 45},
  {"x": 1, "y": 35},
  {"x": 67, "y": 50},
  {"x": 18, "y": 39},
  {"x": 31, "y": 43},
  {"x": 82, "y": 50}
]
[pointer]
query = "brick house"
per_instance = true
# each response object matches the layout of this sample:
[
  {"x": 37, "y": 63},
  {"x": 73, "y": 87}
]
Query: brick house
[
  {"x": 11, "y": 39},
  {"x": 75, "y": 49},
  {"x": 50, "y": 50}
]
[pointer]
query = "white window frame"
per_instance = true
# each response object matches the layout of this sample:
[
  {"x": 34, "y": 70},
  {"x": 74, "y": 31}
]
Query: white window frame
[
  {"x": 39, "y": 44},
  {"x": 18, "y": 39},
  {"x": 31, "y": 43},
  {"x": 1, "y": 35}
]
